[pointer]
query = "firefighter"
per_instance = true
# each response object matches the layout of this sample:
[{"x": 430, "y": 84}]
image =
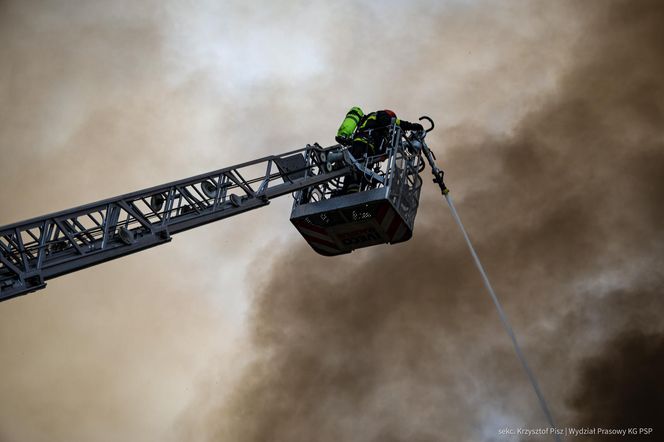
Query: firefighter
[{"x": 368, "y": 136}]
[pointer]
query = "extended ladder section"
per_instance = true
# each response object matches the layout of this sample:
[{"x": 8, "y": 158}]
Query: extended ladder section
[
  {"x": 330, "y": 219},
  {"x": 45, "y": 247}
]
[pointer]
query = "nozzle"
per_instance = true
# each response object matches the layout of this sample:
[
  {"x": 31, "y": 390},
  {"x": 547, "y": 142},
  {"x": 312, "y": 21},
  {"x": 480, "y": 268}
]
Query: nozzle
[{"x": 438, "y": 179}]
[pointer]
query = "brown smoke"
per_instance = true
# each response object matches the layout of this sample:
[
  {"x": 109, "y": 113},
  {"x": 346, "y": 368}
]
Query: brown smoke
[
  {"x": 402, "y": 344},
  {"x": 631, "y": 393},
  {"x": 89, "y": 109},
  {"x": 391, "y": 343}
]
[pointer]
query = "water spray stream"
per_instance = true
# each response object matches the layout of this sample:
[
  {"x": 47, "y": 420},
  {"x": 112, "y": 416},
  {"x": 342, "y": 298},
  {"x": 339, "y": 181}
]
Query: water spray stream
[
  {"x": 438, "y": 179},
  {"x": 504, "y": 320}
]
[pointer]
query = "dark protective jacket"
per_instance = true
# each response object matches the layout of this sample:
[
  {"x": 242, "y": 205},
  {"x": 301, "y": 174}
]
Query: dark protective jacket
[{"x": 372, "y": 130}]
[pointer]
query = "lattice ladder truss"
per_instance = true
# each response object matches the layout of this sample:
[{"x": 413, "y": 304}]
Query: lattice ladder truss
[{"x": 38, "y": 249}]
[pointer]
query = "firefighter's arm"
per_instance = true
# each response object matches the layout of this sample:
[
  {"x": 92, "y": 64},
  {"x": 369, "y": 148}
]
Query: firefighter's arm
[{"x": 407, "y": 125}]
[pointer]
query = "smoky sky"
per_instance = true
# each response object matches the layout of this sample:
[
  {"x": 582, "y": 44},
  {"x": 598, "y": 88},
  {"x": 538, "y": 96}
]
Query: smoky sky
[
  {"x": 549, "y": 119},
  {"x": 402, "y": 344}
]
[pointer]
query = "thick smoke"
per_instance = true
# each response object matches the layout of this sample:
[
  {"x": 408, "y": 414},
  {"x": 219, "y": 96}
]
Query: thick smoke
[
  {"x": 630, "y": 393},
  {"x": 402, "y": 344},
  {"x": 92, "y": 105},
  {"x": 390, "y": 343}
]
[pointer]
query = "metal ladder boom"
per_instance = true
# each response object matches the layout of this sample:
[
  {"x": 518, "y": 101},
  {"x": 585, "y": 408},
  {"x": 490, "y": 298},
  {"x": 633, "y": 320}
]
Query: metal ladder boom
[{"x": 48, "y": 246}]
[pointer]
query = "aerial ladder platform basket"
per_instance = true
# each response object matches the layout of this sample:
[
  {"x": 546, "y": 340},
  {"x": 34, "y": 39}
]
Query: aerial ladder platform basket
[{"x": 335, "y": 222}]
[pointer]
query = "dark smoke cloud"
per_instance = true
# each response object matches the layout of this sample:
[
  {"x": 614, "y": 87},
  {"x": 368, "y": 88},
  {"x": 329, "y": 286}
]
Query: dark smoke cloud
[
  {"x": 635, "y": 360},
  {"x": 99, "y": 98},
  {"x": 401, "y": 344}
]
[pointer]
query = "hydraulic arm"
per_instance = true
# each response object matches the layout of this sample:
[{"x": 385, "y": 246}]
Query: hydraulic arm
[{"x": 45, "y": 247}]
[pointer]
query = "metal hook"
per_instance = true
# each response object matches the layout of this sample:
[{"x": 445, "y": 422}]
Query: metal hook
[{"x": 430, "y": 121}]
